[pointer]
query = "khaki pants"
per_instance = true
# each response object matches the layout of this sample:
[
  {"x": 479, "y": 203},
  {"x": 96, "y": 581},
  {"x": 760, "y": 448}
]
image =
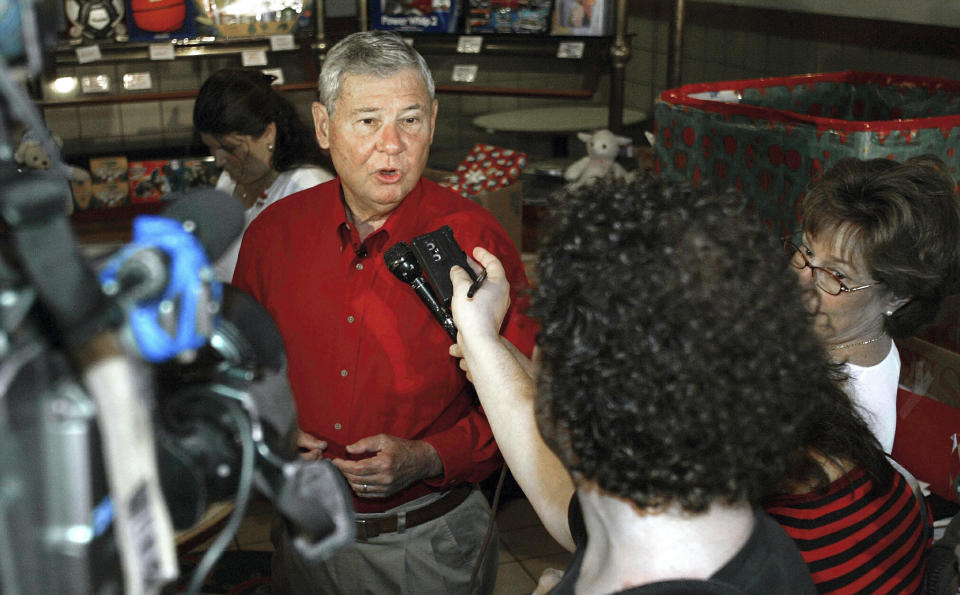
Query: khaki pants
[{"x": 436, "y": 557}]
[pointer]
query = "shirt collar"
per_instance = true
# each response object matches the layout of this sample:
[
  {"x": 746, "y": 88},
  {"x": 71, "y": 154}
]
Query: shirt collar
[{"x": 401, "y": 225}]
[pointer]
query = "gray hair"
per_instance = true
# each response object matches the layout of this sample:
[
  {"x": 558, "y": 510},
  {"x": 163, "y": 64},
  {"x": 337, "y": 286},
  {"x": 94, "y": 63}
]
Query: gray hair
[{"x": 368, "y": 53}]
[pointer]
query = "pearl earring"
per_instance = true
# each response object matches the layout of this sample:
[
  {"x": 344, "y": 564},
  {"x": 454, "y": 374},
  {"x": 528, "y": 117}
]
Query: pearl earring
[
  {"x": 889, "y": 312},
  {"x": 270, "y": 147}
]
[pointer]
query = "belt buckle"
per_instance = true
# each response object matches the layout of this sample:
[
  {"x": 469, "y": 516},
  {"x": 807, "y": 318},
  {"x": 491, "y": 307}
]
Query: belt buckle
[{"x": 367, "y": 529}]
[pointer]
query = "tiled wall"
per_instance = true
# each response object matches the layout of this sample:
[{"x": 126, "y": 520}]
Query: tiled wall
[
  {"x": 141, "y": 126},
  {"x": 720, "y": 43}
]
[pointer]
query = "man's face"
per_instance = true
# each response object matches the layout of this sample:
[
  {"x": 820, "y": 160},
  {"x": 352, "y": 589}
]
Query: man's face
[{"x": 379, "y": 138}]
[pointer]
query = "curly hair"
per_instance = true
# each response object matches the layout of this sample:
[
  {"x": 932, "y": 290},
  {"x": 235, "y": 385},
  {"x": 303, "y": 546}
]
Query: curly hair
[
  {"x": 679, "y": 365},
  {"x": 243, "y": 101},
  {"x": 903, "y": 220}
]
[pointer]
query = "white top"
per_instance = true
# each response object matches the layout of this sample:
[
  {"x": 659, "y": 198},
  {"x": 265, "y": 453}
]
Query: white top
[
  {"x": 287, "y": 183},
  {"x": 874, "y": 390}
]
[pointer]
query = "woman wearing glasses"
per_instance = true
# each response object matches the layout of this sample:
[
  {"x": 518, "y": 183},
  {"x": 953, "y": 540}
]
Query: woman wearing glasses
[
  {"x": 257, "y": 137},
  {"x": 880, "y": 250}
]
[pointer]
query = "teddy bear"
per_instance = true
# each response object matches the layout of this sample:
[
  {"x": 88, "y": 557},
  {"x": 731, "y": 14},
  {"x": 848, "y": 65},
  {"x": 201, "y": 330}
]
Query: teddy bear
[
  {"x": 32, "y": 154},
  {"x": 603, "y": 147}
]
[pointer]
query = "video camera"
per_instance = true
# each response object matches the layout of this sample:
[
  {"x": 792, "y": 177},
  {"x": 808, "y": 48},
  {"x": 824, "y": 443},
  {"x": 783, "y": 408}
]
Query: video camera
[{"x": 134, "y": 396}]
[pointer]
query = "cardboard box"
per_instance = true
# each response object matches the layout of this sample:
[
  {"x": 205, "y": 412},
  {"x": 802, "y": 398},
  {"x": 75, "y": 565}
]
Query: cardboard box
[
  {"x": 199, "y": 172},
  {"x": 152, "y": 181},
  {"x": 926, "y": 442},
  {"x": 109, "y": 181},
  {"x": 582, "y": 17},
  {"x": 506, "y": 204},
  {"x": 508, "y": 16},
  {"x": 428, "y": 16},
  {"x": 238, "y": 18},
  {"x": 82, "y": 194}
]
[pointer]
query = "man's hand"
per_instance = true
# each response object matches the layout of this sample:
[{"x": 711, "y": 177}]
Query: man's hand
[
  {"x": 483, "y": 314},
  {"x": 311, "y": 448},
  {"x": 396, "y": 464}
]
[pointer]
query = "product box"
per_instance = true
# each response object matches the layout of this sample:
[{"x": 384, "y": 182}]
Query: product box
[
  {"x": 109, "y": 182},
  {"x": 239, "y": 18},
  {"x": 152, "y": 181},
  {"x": 160, "y": 20},
  {"x": 429, "y": 16},
  {"x": 582, "y": 17},
  {"x": 508, "y": 16},
  {"x": 506, "y": 203},
  {"x": 82, "y": 194},
  {"x": 772, "y": 138},
  {"x": 199, "y": 172}
]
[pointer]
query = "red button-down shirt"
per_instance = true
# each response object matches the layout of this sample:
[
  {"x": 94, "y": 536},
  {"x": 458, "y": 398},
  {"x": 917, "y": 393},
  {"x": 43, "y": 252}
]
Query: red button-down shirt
[{"x": 365, "y": 356}]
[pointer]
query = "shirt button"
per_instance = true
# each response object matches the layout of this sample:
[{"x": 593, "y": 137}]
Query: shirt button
[
  {"x": 337, "y": 426},
  {"x": 359, "y": 266},
  {"x": 350, "y": 319},
  {"x": 343, "y": 372}
]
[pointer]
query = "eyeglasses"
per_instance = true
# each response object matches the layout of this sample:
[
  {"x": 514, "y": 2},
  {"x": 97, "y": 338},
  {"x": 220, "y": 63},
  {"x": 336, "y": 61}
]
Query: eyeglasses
[{"x": 824, "y": 279}]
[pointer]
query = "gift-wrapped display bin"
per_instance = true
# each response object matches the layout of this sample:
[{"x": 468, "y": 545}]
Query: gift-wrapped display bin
[{"x": 772, "y": 138}]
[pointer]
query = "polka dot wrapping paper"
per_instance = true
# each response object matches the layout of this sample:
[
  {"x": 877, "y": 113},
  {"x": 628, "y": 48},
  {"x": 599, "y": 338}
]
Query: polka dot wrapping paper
[
  {"x": 772, "y": 138},
  {"x": 486, "y": 168}
]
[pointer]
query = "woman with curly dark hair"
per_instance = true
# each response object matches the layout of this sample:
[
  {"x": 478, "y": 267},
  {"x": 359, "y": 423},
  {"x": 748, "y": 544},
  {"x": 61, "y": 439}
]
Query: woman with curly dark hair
[
  {"x": 880, "y": 249},
  {"x": 256, "y": 136},
  {"x": 677, "y": 374}
]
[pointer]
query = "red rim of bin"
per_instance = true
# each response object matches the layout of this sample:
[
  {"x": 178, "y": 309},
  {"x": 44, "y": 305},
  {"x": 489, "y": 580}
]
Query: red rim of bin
[{"x": 682, "y": 96}]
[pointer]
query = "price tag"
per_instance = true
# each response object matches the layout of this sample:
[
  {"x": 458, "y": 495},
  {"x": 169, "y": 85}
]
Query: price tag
[
  {"x": 469, "y": 44},
  {"x": 279, "y": 43},
  {"x": 97, "y": 83},
  {"x": 465, "y": 73},
  {"x": 277, "y": 72},
  {"x": 161, "y": 51},
  {"x": 253, "y": 58},
  {"x": 137, "y": 81},
  {"x": 88, "y": 53},
  {"x": 570, "y": 49}
]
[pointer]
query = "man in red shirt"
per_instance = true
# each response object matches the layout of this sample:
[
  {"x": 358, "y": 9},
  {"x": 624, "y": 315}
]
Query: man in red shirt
[{"x": 375, "y": 387}]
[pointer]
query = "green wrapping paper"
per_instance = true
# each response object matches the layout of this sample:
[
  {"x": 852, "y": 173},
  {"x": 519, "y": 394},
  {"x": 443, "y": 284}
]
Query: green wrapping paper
[{"x": 772, "y": 138}]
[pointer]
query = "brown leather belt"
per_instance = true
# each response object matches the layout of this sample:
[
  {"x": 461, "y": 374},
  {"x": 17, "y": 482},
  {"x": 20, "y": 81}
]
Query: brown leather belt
[{"x": 370, "y": 528}]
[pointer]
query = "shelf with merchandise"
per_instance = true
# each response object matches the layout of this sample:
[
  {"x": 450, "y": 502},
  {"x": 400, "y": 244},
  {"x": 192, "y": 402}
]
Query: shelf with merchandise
[
  {"x": 587, "y": 57},
  {"x": 127, "y": 51}
]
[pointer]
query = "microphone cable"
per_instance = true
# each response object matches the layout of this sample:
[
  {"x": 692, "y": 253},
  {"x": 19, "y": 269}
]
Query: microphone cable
[
  {"x": 244, "y": 487},
  {"x": 486, "y": 539}
]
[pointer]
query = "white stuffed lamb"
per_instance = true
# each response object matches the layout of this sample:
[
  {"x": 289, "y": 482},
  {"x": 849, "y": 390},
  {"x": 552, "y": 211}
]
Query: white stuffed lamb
[{"x": 603, "y": 147}]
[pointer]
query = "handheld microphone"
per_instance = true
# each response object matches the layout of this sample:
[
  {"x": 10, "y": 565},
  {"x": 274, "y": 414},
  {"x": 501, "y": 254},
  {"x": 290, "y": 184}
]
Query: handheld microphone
[{"x": 404, "y": 266}]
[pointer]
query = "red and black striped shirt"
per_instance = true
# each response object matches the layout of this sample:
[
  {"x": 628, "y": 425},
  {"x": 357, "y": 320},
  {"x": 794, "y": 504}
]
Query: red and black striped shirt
[{"x": 857, "y": 537}]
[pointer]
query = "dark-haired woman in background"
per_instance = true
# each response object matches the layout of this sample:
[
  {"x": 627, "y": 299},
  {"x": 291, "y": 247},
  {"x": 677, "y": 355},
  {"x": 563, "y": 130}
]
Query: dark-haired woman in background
[
  {"x": 257, "y": 137},
  {"x": 880, "y": 250}
]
